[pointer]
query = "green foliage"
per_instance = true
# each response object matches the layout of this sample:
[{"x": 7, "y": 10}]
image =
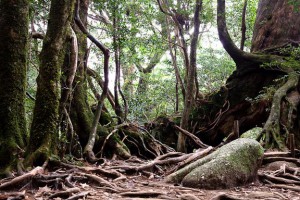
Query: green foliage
[
  {"x": 141, "y": 32},
  {"x": 214, "y": 68},
  {"x": 159, "y": 98},
  {"x": 267, "y": 93},
  {"x": 290, "y": 61},
  {"x": 295, "y": 3},
  {"x": 234, "y": 19}
]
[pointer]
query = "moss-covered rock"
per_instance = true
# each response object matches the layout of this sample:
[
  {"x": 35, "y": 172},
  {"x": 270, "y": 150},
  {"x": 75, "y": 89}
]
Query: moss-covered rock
[{"x": 232, "y": 165}]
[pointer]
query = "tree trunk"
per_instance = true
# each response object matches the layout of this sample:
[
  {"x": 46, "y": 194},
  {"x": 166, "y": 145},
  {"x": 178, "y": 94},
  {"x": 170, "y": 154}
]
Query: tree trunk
[
  {"x": 190, "y": 86},
  {"x": 277, "y": 24},
  {"x": 44, "y": 129},
  {"x": 14, "y": 21}
]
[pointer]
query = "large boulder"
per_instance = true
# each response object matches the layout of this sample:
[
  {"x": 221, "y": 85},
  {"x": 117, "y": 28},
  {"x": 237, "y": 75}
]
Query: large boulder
[{"x": 234, "y": 164}]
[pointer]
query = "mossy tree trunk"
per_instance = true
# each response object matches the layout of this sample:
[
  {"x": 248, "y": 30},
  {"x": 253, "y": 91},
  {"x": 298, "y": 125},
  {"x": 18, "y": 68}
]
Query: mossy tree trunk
[
  {"x": 44, "y": 129},
  {"x": 81, "y": 113},
  {"x": 245, "y": 98},
  {"x": 13, "y": 50}
]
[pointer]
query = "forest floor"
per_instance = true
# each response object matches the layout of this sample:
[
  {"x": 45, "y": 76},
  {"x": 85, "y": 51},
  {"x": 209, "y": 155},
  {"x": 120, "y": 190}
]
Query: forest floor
[{"x": 111, "y": 181}]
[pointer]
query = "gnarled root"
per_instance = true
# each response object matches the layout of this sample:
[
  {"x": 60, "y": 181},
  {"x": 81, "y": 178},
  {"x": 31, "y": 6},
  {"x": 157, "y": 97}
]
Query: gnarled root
[{"x": 272, "y": 126}]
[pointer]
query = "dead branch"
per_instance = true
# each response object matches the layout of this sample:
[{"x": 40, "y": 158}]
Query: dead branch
[{"x": 170, "y": 154}]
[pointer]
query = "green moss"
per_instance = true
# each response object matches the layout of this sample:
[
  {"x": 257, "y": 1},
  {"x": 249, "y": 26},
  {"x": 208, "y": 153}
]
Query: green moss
[
  {"x": 44, "y": 131},
  {"x": 234, "y": 163},
  {"x": 13, "y": 55}
]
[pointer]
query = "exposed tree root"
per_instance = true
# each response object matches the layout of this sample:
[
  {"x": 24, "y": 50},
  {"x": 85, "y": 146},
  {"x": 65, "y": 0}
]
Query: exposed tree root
[
  {"x": 272, "y": 126},
  {"x": 164, "y": 160},
  {"x": 275, "y": 179},
  {"x": 142, "y": 194},
  {"x": 102, "y": 182},
  {"x": 23, "y": 178},
  {"x": 286, "y": 177},
  {"x": 197, "y": 155},
  {"x": 273, "y": 159},
  {"x": 65, "y": 194},
  {"x": 191, "y": 136},
  {"x": 287, "y": 187},
  {"x": 76, "y": 182},
  {"x": 78, "y": 196},
  {"x": 223, "y": 196},
  {"x": 12, "y": 195}
]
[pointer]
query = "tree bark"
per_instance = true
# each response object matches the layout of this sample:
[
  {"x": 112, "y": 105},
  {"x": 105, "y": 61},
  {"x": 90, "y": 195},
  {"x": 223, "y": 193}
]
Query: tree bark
[
  {"x": 14, "y": 21},
  {"x": 276, "y": 25},
  {"x": 243, "y": 28},
  {"x": 44, "y": 129}
]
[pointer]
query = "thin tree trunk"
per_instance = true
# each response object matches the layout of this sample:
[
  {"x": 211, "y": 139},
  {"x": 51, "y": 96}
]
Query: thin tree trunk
[
  {"x": 118, "y": 108},
  {"x": 190, "y": 88},
  {"x": 174, "y": 61},
  {"x": 243, "y": 28}
]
